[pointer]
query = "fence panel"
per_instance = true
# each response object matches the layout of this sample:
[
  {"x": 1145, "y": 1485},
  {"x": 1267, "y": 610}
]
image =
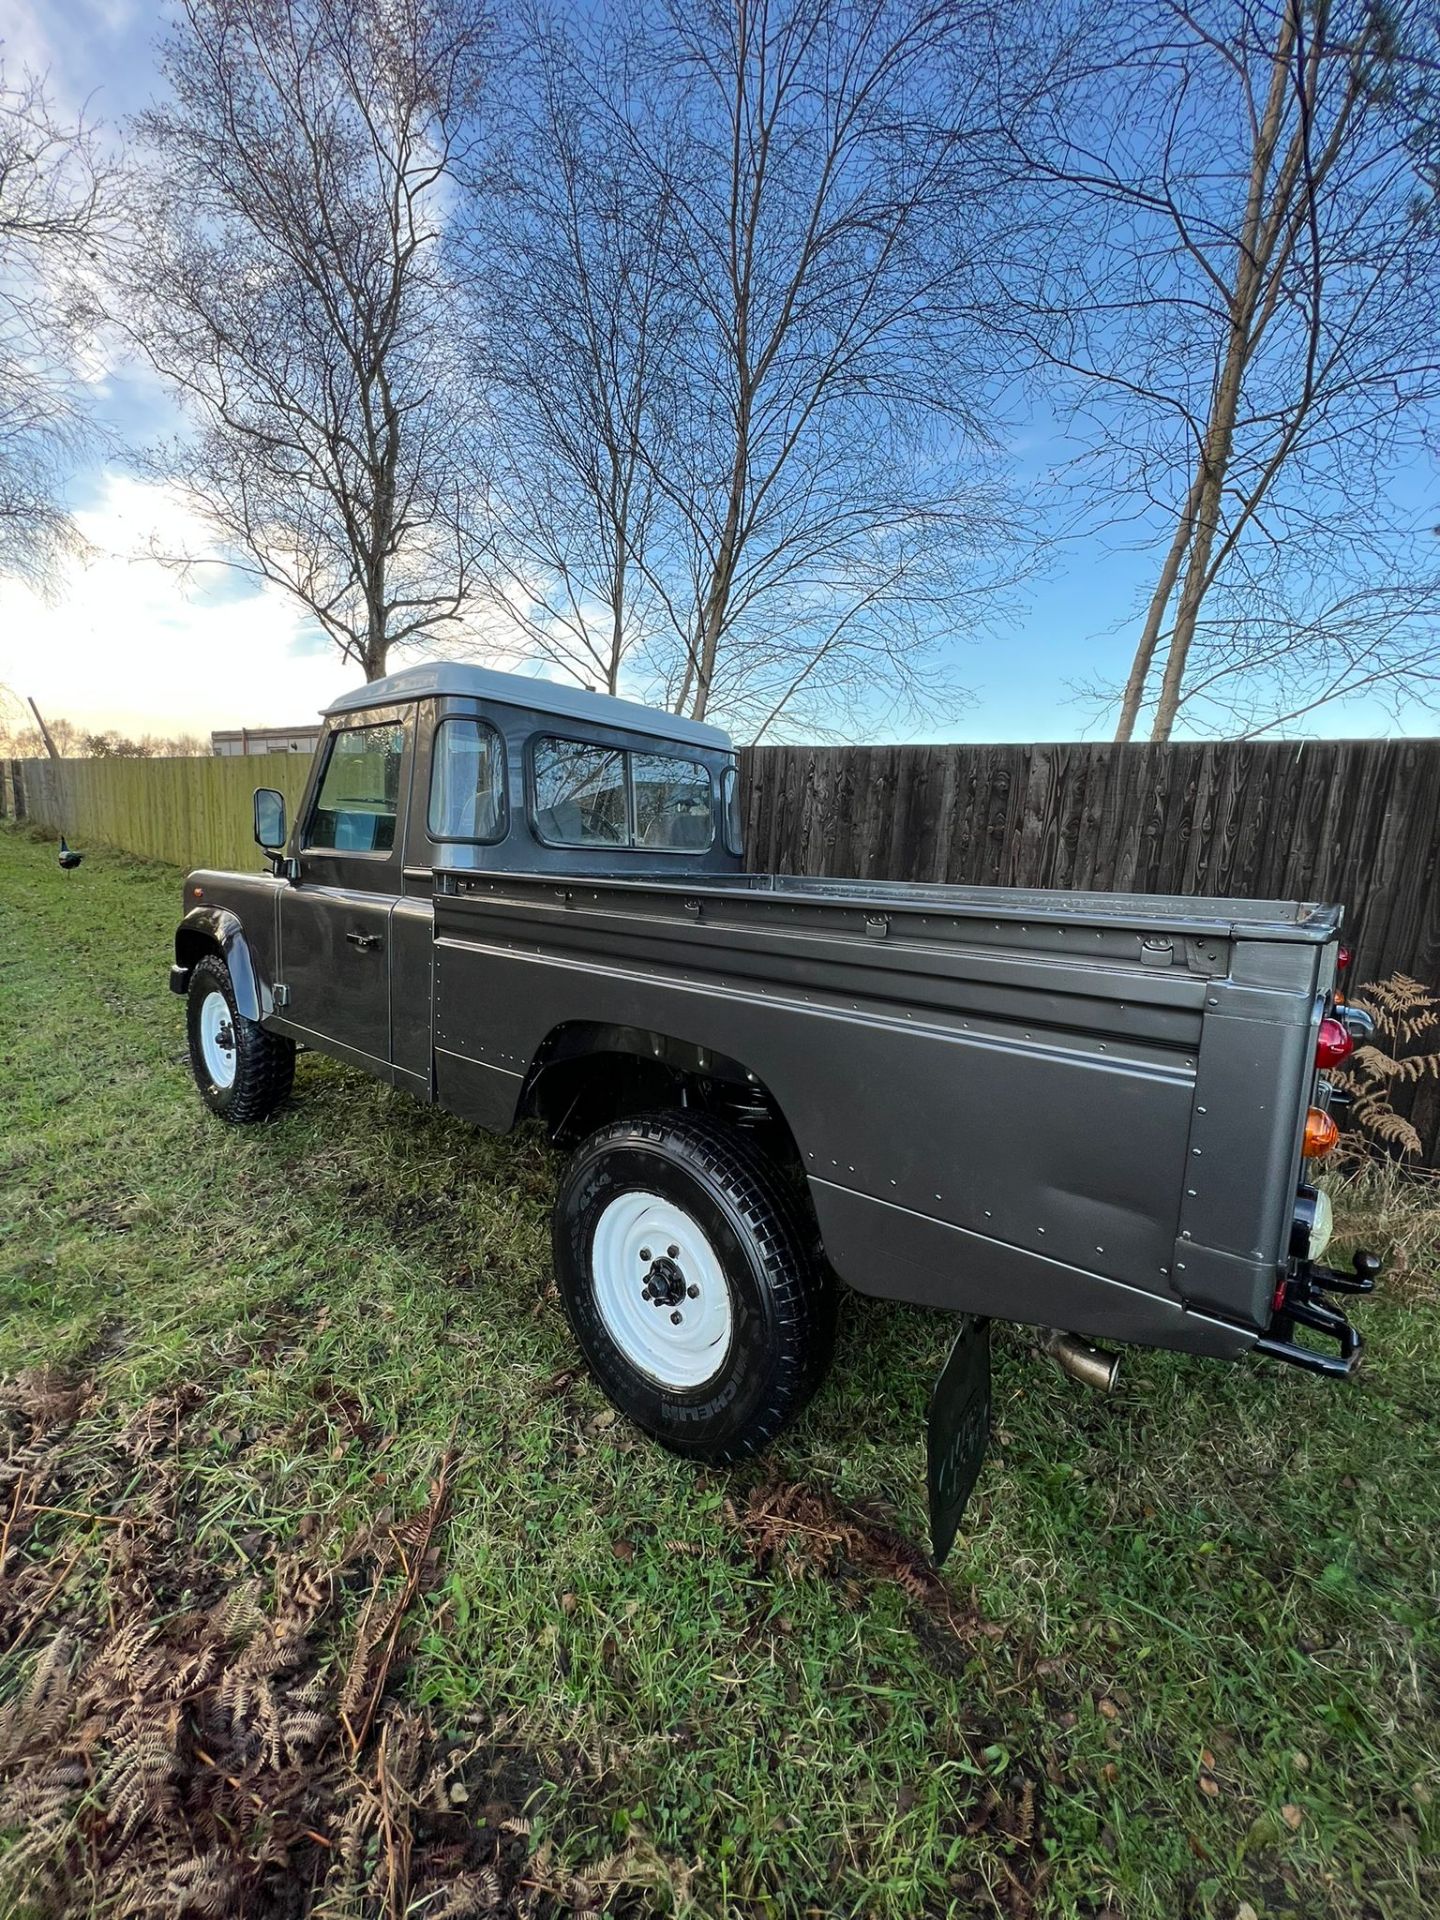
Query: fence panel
[
  {"x": 193, "y": 813},
  {"x": 1351, "y": 820}
]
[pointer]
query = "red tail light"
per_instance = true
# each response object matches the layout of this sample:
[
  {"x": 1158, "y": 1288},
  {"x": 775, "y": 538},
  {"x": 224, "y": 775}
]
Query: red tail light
[
  {"x": 1332, "y": 1044},
  {"x": 1343, "y": 959}
]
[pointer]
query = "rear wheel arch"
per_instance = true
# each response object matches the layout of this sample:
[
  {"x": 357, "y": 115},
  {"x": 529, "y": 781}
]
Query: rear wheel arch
[{"x": 587, "y": 1073}]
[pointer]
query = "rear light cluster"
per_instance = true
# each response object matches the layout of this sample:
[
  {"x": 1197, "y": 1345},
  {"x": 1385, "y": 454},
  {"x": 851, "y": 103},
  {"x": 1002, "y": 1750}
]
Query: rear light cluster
[{"x": 1333, "y": 1044}]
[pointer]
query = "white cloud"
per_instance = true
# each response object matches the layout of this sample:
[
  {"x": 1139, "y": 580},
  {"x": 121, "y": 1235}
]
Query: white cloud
[{"x": 129, "y": 644}]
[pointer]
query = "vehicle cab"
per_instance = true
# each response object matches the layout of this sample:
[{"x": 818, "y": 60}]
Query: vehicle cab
[
  {"x": 455, "y": 766},
  {"x": 449, "y": 768}
]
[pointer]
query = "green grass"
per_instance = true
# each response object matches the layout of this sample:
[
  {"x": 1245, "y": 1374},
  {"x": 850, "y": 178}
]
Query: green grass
[{"x": 1220, "y": 1571}]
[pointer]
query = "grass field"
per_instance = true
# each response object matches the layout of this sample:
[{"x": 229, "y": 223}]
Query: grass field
[{"x": 307, "y": 1386}]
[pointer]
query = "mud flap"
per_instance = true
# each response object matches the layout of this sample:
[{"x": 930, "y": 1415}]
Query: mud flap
[{"x": 959, "y": 1431}]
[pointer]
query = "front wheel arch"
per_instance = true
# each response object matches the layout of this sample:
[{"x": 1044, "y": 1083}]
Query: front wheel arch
[{"x": 218, "y": 931}]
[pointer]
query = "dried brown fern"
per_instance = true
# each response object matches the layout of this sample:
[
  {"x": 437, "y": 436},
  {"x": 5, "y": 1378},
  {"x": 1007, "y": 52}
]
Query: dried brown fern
[
  {"x": 157, "y": 1761},
  {"x": 1405, "y": 1011}
]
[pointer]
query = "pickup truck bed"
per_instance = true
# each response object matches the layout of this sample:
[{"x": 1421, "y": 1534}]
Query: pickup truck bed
[{"x": 1070, "y": 1109}]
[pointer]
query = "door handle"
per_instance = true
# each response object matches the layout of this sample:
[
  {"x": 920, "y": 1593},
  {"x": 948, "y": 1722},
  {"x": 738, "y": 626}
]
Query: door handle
[{"x": 363, "y": 940}]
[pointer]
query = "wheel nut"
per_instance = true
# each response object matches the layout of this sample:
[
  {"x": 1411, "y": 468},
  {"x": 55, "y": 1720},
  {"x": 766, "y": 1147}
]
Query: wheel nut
[
  {"x": 645, "y": 1293},
  {"x": 693, "y": 1293},
  {"x": 644, "y": 1253},
  {"x": 674, "y": 1252},
  {"x": 675, "y": 1319}
]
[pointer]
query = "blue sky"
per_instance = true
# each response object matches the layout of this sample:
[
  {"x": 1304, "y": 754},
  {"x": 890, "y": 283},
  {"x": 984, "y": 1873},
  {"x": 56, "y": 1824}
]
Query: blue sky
[{"x": 128, "y": 643}]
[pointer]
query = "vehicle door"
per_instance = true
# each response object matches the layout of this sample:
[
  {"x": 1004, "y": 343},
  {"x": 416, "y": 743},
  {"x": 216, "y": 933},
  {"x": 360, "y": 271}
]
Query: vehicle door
[{"x": 335, "y": 918}]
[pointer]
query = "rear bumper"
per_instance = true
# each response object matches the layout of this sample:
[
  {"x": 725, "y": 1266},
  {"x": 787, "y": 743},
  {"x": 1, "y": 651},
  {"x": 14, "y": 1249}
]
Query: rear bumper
[{"x": 1303, "y": 1298}]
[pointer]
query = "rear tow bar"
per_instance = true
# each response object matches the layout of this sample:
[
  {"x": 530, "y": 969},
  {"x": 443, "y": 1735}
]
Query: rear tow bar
[{"x": 1302, "y": 1301}]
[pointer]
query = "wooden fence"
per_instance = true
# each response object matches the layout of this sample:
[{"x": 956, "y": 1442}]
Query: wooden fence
[
  {"x": 1356, "y": 821},
  {"x": 192, "y": 813}
]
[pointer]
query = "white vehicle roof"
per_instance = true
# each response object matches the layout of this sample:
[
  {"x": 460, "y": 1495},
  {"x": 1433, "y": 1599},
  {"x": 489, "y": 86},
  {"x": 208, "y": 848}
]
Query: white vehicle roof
[{"x": 442, "y": 677}]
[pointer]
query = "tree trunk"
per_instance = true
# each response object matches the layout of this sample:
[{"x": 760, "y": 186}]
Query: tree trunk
[
  {"x": 1193, "y": 591},
  {"x": 617, "y": 623},
  {"x": 1257, "y": 238},
  {"x": 1154, "y": 617},
  {"x": 377, "y": 647},
  {"x": 716, "y": 600}
]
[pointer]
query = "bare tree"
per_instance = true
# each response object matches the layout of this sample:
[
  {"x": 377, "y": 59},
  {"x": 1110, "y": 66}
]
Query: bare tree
[
  {"x": 837, "y": 195},
  {"x": 569, "y": 256},
  {"x": 21, "y": 738},
  {"x": 1248, "y": 305},
  {"x": 737, "y": 280},
  {"x": 54, "y": 188},
  {"x": 286, "y": 276}
]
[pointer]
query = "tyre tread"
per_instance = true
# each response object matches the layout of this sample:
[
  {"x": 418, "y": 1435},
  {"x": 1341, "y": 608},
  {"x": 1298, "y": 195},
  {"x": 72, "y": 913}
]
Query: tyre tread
[
  {"x": 265, "y": 1067},
  {"x": 800, "y": 1284}
]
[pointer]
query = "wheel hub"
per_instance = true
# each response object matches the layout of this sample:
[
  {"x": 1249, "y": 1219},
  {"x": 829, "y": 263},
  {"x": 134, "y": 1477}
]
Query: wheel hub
[
  {"x": 217, "y": 1040},
  {"x": 664, "y": 1284}
]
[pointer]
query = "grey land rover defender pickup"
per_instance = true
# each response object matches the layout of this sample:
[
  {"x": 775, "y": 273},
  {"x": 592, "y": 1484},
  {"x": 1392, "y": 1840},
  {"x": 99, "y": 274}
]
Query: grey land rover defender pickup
[{"x": 1089, "y": 1112}]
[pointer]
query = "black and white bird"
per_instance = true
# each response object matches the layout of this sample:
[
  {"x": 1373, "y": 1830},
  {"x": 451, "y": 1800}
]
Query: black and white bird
[{"x": 68, "y": 857}]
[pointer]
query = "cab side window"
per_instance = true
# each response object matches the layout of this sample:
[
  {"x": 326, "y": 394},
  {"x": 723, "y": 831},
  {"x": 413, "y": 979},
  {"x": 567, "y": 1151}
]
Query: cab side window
[
  {"x": 356, "y": 807},
  {"x": 580, "y": 794},
  {"x": 467, "y": 782}
]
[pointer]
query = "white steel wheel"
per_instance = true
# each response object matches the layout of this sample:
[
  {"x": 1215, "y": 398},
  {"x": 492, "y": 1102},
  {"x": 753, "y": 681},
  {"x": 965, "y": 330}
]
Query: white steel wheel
[
  {"x": 661, "y": 1291},
  {"x": 217, "y": 1039}
]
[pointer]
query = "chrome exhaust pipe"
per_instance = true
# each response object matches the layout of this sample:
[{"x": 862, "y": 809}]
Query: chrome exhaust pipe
[{"x": 1091, "y": 1366}]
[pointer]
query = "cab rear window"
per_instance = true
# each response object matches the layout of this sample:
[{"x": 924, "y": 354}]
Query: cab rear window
[{"x": 673, "y": 806}]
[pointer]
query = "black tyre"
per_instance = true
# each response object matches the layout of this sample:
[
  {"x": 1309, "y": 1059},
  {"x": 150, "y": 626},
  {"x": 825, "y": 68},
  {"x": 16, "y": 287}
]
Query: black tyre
[
  {"x": 691, "y": 1282},
  {"x": 243, "y": 1072}
]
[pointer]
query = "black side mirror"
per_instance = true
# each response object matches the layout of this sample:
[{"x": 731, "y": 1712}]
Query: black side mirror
[{"x": 270, "y": 819}]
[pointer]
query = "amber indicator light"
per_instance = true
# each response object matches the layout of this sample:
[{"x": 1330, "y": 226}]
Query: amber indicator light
[{"x": 1321, "y": 1134}]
